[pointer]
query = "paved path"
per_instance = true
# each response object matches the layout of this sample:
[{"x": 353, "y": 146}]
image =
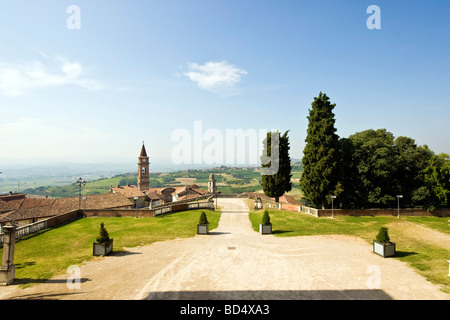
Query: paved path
[{"x": 234, "y": 262}]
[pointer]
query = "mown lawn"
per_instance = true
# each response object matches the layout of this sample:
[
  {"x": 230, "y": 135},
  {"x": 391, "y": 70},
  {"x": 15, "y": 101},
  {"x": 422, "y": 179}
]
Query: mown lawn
[
  {"x": 427, "y": 256},
  {"x": 49, "y": 252}
]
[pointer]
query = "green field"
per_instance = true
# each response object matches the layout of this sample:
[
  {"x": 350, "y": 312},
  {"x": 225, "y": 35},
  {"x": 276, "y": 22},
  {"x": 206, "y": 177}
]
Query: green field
[
  {"x": 414, "y": 237},
  {"x": 50, "y": 251},
  {"x": 229, "y": 181}
]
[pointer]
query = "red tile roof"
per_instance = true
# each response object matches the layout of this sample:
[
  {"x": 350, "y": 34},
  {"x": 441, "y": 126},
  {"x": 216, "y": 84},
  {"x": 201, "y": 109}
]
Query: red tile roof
[
  {"x": 129, "y": 191},
  {"x": 154, "y": 196},
  {"x": 42, "y": 208}
]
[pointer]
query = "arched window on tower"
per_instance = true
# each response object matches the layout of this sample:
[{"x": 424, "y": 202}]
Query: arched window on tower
[{"x": 143, "y": 170}]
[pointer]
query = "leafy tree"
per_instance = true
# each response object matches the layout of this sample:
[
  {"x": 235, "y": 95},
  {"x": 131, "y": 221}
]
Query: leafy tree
[
  {"x": 321, "y": 153},
  {"x": 277, "y": 184},
  {"x": 376, "y": 163},
  {"x": 349, "y": 188},
  {"x": 437, "y": 179},
  {"x": 375, "y": 168},
  {"x": 412, "y": 161}
]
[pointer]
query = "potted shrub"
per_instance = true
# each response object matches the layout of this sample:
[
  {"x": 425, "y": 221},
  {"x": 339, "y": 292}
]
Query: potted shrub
[
  {"x": 382, "y": 244},
  {"x": 203, "y": 224},
  {"x": 103, "y": 245},
  {"x": 265, "y": 227}
]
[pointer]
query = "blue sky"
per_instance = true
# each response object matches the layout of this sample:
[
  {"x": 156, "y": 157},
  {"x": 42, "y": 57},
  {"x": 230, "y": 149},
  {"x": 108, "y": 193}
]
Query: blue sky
[{"x": 139, "y": 70}]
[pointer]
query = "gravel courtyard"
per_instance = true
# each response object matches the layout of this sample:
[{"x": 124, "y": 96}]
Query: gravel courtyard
[{"x": 235, "y": 262}]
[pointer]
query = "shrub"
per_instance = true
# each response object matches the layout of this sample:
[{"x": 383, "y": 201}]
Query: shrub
[
  {"x": 203, "y": 218},
  {"x": 104, "y": 236},
  {"x": 265, "y": 218},
  {"x": 383, "y": 235}
]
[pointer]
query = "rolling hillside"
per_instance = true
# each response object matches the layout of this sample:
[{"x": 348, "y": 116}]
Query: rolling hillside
[{"x": 229, "y": 180}]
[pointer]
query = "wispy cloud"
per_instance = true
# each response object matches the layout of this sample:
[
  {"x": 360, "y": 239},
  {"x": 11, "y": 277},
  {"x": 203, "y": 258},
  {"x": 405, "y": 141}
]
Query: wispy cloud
[
  {"x": 218, "y": 77},
  {"x": 17, "y": 80}
]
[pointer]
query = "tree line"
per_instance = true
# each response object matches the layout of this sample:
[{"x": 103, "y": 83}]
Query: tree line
[{"x": 369, "y": 169}]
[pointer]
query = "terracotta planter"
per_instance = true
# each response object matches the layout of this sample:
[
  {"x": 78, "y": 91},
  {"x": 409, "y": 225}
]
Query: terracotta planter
[
  {"x": 102, "y": 249},
  {"x": 384, "y": 249}
]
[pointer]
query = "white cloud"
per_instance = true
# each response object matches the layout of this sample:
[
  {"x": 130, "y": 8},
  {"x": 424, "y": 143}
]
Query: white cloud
[
  {"x": 17, "y": 80},
  {"x": 218, "y": 77}
]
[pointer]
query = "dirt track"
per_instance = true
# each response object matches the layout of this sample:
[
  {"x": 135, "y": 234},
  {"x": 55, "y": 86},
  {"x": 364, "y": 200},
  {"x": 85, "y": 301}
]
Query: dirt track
[{"x": 234, "y": 262}]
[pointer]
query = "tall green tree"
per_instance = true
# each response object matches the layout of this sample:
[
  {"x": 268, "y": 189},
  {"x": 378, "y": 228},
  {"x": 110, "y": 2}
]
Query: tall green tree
[
  {"x": 321, "y": 153},
  {"x": 276, "y": 184},
  {"x": 376, "y": 167},
  {"x": 437, "y": 180},
  {"x": 350, "y": 188},
  {"x": 376, "y": 161}
]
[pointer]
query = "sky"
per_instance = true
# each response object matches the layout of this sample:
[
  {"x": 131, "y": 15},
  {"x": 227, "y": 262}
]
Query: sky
[{"x": 88, "y": 81}]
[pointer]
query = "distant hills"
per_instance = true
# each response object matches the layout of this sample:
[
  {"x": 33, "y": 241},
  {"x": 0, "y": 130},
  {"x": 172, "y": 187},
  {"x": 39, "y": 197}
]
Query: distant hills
[{"x": 230, "y": 180}]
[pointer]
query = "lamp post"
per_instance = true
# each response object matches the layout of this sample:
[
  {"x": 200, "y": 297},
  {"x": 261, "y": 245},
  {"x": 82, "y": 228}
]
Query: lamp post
[
  {"x": 80, "y": 183},
  {"x": 216, "y": 191},
  {"x": 398, "y": 205},
  {"x": 332, "y": 206}
]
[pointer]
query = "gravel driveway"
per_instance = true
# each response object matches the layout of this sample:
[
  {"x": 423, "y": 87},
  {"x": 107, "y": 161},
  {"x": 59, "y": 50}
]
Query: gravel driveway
[{"x": 234, "y": 262}]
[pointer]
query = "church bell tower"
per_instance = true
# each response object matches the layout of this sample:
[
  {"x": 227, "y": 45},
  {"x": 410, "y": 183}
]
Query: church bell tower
[{"x": 143, "y": 174}]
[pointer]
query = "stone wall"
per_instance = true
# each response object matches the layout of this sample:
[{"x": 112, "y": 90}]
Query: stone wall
[
  {"x": 141, "y": 213},
  {"x": 61, "y": 218},
  {"x": 358, "y": 212},
  {"x": 384, "y": 212}
]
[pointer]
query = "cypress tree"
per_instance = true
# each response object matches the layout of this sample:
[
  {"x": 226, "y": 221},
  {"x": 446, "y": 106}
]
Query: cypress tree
[
  {"x": 321, "y": 153},
  {"x": 275, "y": 185},
  {"x": 103, "y": 234},
  {"x": 265, "y": 218},
  {"x": 203, "y": 219}
]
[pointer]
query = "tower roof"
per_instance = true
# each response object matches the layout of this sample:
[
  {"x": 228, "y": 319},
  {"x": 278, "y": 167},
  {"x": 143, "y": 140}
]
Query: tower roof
[{"x": 143, "y": 151}]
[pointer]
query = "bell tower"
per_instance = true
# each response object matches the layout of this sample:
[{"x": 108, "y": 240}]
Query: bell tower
[{"x": 143, "y": 174}]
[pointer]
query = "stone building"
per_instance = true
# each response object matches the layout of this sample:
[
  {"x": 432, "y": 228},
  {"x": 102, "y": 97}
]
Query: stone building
[{"x": 212, "y": 184}]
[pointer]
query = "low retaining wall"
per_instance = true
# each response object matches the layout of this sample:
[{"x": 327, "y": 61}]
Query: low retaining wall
[
  {"x": 356, "y": 212},
  {"x": 148, "y": 213},
  {"x": 60, "y": 218},
  {"x": 384, "y": 212},
  {"x": 137, "y": 213}
]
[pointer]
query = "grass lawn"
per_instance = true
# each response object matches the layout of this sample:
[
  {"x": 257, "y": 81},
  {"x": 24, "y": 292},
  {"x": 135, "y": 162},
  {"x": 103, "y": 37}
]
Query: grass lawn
[
  {"x": 50, "y": 251},
  {"x": 416, "y": 246}
]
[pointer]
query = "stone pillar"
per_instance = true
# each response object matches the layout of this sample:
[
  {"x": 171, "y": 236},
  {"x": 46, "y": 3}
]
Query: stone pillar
[
  {"x": 8, "y": 269},
  {"x": 212, "y": 184}
]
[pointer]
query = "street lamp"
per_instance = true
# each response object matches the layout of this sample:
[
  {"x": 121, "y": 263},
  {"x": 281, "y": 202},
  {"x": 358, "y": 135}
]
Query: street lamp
[
  {"x": 217, "y": 191},
  {"x": 332, "y": 206},
  {"x": 398, "y": 205},
  {"x": 80, "y": 183}
]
